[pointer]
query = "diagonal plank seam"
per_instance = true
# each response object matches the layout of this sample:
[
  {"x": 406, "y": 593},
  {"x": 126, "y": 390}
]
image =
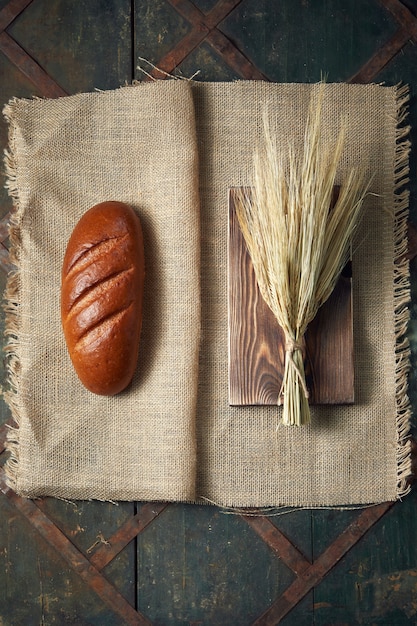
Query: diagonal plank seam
[
  {"x": 279, "y": 543},
  {"x": 29, "y": 67},
  {"x": 403, "y": 15},
  {"x": 204, "y": 28},
  {"x": 10, "y": 12},
  {"x": 314, "y": 573},
  {"x": 381, "y": 58},
  {"x": 75, "y": 559},
  {"x": 385, "y": 54},
  {"x": 19, "y": 57}
]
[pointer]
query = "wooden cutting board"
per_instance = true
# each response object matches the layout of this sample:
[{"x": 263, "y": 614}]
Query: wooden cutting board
[{"x": 256, "y": 341}]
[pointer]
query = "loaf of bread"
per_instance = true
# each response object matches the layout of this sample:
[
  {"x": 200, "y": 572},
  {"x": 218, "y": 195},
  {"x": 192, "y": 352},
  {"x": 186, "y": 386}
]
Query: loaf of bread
[{"x": 101, "y": 296}]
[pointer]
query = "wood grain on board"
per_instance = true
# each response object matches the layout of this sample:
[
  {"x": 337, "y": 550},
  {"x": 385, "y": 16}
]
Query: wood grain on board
[{"x": 256, "y": 341}]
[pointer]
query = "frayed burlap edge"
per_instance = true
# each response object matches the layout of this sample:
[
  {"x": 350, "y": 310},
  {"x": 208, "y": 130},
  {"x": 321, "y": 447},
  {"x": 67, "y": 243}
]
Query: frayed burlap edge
[
  {"x": 401, "y": 301},
  {"x": 12, "y": 306},
  {"x": 402, "y": 293},
  {"x": 12, "y": 302}
]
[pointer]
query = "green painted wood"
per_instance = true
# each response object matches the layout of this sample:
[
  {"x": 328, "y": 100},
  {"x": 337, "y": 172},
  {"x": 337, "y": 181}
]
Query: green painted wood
[
  {"x": 376, "y": 583},
  {"x": 89, "y": 525},
  {"x": 199, "y": 565},
  {"x": 301, "y": 40},
  {"x": 296, "y": 526},
  {"x": 157, "y": 29},
  {"x": 209, "y": 65},
  {"x": 36, "y": 584},
  {"x": 205, "y": 5},
  {"x": 91, "y": 42}
]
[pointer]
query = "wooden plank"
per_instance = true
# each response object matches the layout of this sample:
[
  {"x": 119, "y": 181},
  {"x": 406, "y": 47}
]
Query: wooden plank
[
  {"x": 312, "y": 575},
  {"x": 38, "y": 586},
  {"x": 125, "y": 533},
  {"x": 256, "y": 341},
  {"x": 204, "y": 28},
  {"x": 192, "y": 565},
  {"x": 381, "y": 58},
  {"x": 376, "y": 583},
  {"x": 278, "y": 542},
  {"x": 29, "y": 67},
  {"x": 402, "y": 14},
  {"x": 11, "y": 11},
  {"x": 198, "y": 565},
  {"x": 91, "y": 44},
  {"x": 77, "y": 561},
  {"x": 292, "y": 40}
]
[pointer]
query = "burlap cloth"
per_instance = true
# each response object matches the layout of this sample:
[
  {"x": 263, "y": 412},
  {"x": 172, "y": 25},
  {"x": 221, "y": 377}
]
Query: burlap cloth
[{"x": 172, "y": 149}]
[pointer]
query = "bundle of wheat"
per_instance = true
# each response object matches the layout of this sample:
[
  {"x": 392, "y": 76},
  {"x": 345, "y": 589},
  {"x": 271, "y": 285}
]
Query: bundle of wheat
[{"x": 299, "y": 246}]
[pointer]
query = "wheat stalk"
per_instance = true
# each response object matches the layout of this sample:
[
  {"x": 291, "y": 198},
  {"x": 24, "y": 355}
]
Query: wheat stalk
[{"x": 299, "y": 246}]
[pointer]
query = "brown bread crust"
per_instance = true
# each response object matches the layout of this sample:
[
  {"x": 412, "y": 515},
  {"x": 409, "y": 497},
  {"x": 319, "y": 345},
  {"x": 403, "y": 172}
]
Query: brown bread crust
[{"x": 102, "y": 285}]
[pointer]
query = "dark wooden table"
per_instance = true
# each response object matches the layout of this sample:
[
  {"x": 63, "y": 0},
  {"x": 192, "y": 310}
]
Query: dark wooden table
[{"x": 138, "y": 563}]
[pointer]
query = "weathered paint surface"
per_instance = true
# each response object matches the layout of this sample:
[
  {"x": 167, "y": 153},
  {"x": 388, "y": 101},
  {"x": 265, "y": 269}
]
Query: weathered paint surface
[{"x": 98, "y": 563}]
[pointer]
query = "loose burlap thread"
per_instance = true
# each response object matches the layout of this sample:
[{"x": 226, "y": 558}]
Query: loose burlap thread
[{"x": 173, "y": 435}]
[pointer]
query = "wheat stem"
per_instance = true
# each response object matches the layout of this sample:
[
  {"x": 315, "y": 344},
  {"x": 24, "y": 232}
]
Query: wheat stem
[{"x": 299, "y": 246}]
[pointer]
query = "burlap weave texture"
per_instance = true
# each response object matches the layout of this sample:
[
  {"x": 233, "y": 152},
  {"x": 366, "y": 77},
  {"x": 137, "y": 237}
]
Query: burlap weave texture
[
  {"x": 349, "y": 455},
  {"x": 172, "y": 149},
  {"x": 70, "y": 154}
]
